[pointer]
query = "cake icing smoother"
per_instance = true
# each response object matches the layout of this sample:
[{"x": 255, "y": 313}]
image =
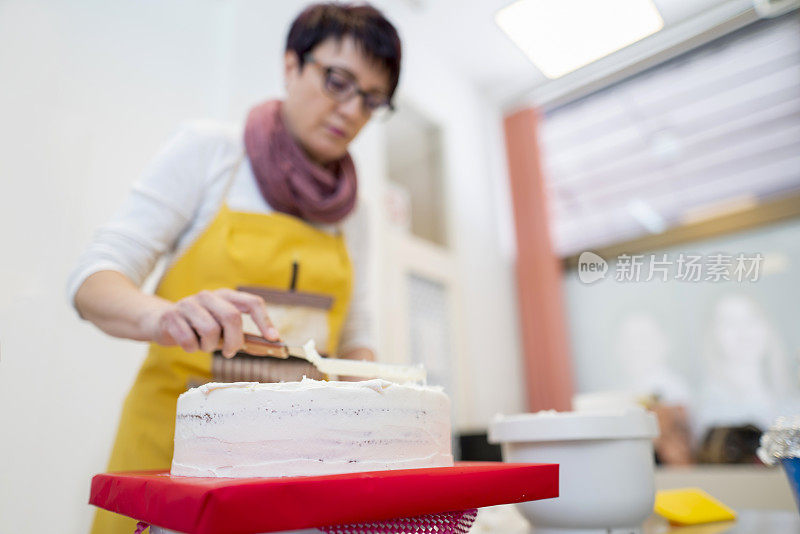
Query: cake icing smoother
[{"x": 311, "y": 427}]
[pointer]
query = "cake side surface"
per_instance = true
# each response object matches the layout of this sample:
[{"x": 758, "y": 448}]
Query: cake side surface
[{"x": 310, "y": 428}]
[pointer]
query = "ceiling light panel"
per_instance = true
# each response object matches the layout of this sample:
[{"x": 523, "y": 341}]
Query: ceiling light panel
[{"x": 560, "y": 36}]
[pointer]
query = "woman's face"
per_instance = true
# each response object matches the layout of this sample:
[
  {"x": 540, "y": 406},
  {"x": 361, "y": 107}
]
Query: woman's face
[
  {"x": 741, "y": 330},
  {"x": 323, "y": 126}
]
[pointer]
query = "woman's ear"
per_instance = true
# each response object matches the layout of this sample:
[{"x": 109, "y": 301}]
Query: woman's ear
[{"x": 291, "y": 67}]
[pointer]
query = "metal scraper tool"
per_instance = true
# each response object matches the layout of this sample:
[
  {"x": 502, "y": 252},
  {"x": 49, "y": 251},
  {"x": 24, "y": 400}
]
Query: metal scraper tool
[{"x": 339, "y": 366}]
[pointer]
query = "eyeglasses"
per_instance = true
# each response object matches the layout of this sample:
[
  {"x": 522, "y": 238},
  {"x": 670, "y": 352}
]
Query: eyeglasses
[{"x": 342, "y": 85}]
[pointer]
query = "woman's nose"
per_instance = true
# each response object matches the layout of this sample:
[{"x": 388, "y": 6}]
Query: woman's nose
[{"x": 353, "y": 108}]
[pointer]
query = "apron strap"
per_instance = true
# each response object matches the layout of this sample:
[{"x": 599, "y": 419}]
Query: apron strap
[{"x": 231, "y": 177}]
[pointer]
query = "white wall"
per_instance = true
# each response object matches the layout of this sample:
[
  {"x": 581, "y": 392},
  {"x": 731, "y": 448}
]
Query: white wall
[
  {"x": 478, "y": 218},
  {"x": 89, "y": 91}
]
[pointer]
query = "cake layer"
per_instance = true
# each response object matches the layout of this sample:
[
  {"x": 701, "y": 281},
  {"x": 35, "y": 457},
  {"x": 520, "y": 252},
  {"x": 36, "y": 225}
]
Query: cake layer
[{"x": 249, "y": 429}]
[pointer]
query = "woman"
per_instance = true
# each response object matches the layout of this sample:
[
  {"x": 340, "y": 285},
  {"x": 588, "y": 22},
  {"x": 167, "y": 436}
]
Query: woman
[
  {"x": 273, "y": 209},
  {"x": 749, "y": 379}
]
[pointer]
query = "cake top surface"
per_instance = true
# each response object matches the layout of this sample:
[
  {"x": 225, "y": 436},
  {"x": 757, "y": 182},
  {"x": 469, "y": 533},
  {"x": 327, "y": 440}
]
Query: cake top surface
[
  {"x": 374, "y": 393},
  {"x": 306, "y": 384}
]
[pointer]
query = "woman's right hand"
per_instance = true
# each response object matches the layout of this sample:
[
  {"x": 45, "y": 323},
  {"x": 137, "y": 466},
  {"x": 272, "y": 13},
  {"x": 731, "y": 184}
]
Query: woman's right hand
[{"x": 209, "y": 321}]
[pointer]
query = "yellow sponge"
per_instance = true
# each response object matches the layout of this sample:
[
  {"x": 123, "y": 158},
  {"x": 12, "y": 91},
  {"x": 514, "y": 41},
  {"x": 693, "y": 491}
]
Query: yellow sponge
[{"x": 691, "y": 506}]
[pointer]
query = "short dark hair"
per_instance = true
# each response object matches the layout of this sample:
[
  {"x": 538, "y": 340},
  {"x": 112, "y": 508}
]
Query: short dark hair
[{"x": 367, "y": 26}]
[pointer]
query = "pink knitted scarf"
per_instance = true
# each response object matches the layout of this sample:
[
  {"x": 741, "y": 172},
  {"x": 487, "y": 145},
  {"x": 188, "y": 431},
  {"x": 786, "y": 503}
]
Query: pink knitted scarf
[{"x": 289, "y": 181}]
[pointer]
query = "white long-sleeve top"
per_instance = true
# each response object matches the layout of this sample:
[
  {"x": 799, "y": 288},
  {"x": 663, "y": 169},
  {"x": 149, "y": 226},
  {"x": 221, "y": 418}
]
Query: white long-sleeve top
[{"x": 179, "y": 195}]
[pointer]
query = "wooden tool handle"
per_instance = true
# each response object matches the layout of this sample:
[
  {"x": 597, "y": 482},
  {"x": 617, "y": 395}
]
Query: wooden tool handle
[{"x": 264, "y": 347}]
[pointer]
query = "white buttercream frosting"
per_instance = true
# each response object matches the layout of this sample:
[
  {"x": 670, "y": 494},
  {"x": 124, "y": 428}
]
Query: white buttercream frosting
[{"x": 311, "y": 427}]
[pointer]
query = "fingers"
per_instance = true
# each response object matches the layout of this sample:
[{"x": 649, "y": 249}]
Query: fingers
[
  {"x": 212, "y": 318},
  {"x": 256, "y": 307},
  {"x": 179, "y": 330},
  {"x": 203, "y": 323},
  {"x": 229, "y": 317}
]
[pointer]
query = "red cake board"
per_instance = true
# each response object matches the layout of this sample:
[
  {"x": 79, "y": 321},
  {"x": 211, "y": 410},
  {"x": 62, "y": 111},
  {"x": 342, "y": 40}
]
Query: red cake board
[{"x": 256, "y": 505}]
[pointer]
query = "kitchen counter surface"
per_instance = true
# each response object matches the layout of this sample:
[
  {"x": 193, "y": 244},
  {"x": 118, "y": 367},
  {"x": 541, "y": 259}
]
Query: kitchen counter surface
[
  {"x": 748, "y": 522},
  {"x": 506, "y": 520}
]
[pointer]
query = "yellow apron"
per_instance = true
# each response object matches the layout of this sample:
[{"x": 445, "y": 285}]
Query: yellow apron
[{"x": 238, "y": 248}]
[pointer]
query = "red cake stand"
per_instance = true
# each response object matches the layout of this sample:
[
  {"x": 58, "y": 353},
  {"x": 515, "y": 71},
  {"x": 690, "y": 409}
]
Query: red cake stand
[{"x": 259, "y": 505}]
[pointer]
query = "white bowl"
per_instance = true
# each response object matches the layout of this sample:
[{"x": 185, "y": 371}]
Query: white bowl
[{"x": 606, "y": 471}]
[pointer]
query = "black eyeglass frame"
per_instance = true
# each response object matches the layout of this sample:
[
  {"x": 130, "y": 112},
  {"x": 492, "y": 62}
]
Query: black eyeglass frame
[{"x": 355, "y": 90}]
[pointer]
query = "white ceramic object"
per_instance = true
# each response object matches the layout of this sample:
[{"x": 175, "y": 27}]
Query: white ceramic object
[{"x": 606, "y": 468}]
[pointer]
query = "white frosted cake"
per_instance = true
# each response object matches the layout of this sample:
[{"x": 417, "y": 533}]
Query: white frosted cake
[{"x": 251, "y": 429}]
